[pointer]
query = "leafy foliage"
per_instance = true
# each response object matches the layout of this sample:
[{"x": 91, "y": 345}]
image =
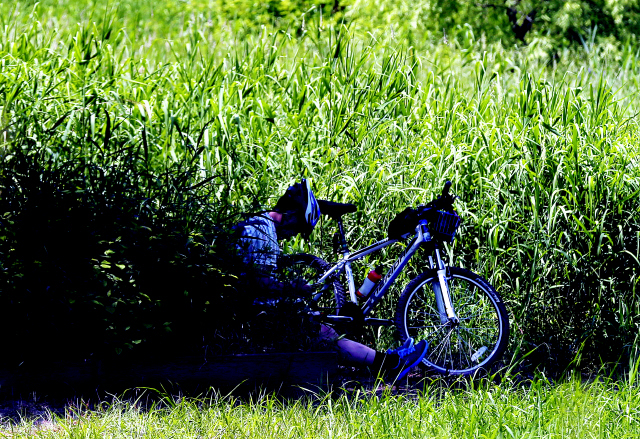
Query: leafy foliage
[
  {"x": 200, "y": 127},
  {"x": 97, "y": 257}
]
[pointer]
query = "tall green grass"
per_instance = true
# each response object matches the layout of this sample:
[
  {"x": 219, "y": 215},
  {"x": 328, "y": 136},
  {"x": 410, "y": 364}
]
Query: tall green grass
[{"x": 543, "y": 156}]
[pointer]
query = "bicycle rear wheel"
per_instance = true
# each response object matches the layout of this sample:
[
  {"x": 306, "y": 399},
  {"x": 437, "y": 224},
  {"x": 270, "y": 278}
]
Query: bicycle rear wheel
[
  {"x": 310, "y": 268},
  {"x": 474, "y": 344}
]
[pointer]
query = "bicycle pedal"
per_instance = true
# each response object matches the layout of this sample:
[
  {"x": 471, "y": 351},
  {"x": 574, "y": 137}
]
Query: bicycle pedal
[
  {"x": 339, "y": 318},
  {"x": 378, "y": 322}
]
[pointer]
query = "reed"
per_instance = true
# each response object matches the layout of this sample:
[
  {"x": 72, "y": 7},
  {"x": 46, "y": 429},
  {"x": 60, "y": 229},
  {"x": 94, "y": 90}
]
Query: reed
[{"x": 544, "y": 157}]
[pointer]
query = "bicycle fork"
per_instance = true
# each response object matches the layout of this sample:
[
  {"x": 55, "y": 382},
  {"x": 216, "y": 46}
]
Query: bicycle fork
[{"x": 441, "y": 290}]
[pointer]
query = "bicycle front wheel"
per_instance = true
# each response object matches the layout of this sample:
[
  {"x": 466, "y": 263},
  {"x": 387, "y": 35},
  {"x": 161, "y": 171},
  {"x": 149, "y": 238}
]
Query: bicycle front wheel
[{"x": 475, "y": 343}]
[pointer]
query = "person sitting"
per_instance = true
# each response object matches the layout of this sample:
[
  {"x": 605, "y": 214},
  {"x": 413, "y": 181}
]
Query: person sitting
[{"x": 296, "y": 213}]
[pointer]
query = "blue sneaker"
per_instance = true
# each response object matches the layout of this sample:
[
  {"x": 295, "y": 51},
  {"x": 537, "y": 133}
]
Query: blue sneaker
[{"x": 410, "y": 355}]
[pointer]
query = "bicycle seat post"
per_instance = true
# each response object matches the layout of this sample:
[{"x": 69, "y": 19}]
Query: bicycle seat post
[
  {"x": 335, "y": 211},
  {"x": 347, "y": 266},
  {"x": 343, "y": 240}
]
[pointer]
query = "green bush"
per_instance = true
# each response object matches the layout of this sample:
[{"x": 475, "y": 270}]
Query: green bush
[
  {"x": 98, "y": 260},
  {"x": 554, "y": 25},
  {"x": 96, "y": 257}
]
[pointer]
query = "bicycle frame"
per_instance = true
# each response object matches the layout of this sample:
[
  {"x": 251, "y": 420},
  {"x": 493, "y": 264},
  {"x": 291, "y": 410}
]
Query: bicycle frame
[{"x": 421, "y": 237}]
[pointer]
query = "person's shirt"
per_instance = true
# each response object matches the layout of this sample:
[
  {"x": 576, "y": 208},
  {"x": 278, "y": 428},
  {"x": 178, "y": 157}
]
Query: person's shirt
[{"x": 258, "y": 243}]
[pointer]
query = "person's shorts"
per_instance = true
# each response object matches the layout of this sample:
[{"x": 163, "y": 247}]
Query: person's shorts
[{"x": 328, "y": 334}]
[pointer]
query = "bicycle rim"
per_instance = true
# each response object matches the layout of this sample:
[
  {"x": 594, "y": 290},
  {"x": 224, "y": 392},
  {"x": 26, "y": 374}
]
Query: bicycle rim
[
  {"x": 481, "y": 336},
  {"x": 309, "y": 267}
]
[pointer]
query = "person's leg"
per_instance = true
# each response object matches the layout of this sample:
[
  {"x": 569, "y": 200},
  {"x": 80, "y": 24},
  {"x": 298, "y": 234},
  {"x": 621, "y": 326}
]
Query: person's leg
[
  {"x": 352, "y": 351},
  {"x": 357, "y": 352},
  {"x": 396, "y": 362}
]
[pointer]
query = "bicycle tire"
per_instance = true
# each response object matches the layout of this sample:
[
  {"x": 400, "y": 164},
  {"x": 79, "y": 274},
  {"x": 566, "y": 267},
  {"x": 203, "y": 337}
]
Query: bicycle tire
[
  {"x": 311, "y": 267},
  {"x": 483, "y": 330}
]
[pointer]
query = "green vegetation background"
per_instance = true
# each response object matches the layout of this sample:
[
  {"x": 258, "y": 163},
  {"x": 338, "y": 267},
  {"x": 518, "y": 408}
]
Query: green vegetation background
[{"x": 133, "y": 131}]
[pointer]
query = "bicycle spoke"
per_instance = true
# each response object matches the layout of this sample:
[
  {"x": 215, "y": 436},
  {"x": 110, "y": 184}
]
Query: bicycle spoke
[
  {"x": 464, "y": 350},
  {"x": 469, "y": 348},
  {"x": 468, "y": 354},
  {"x": 466, "y": 328},
  {"x": 435, "y": 313},
  {"x": 443, "y": 350},
  {"x": 433, "y": 334},
  {"x": 438, "y": 331},
  {"x": 449, "y": 349},
  {"x": 425, "y": 318},
  {"x": 426, "y": 304},
  {"x": 440, "y": 347},
  {"x": 479, "y": 336},
  {"x": 490, "y": 311},
  {"x": 456, "y": 356},
  {"x": 437, "y": 351}
]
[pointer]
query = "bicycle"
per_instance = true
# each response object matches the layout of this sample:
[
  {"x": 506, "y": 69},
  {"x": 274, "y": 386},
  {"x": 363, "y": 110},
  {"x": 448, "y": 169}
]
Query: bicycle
[{"x": 457, "y": 311}]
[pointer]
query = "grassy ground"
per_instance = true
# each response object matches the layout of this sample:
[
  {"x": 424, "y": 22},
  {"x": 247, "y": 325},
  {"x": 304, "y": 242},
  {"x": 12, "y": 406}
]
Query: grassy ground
[{"x": 599, "y": 409}]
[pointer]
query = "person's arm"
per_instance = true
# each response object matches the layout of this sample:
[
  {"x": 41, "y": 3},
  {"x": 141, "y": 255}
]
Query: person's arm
[
  {"x": 270, "y": 284},
  {"x": 293, "y": 288}
]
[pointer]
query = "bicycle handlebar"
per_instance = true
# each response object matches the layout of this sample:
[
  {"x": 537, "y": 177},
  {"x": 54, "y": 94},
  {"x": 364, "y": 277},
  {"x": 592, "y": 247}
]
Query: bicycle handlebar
[
  {"x": 445, "y": 189},
  {"x": 444, "y": 201}
]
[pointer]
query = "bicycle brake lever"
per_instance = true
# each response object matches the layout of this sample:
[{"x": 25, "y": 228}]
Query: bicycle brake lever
[{"x": 446, "y": 188}]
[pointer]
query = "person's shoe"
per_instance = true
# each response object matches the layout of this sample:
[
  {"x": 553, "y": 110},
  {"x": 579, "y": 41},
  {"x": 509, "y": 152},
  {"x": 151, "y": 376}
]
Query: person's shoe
[
  {"x": 410, "y": 355},
  {"x": 403, "y": 350},
  {"x": 408, "y": 344}
]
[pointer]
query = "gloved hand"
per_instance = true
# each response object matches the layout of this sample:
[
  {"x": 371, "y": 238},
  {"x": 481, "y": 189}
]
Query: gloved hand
[
  {"x": 294, "y": 288},
  {"x": 300, "y": 288}
]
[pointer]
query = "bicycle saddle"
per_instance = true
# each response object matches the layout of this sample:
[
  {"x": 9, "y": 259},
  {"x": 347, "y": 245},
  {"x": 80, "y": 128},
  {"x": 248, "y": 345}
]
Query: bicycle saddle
[{"x": 335, "y": 210}]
